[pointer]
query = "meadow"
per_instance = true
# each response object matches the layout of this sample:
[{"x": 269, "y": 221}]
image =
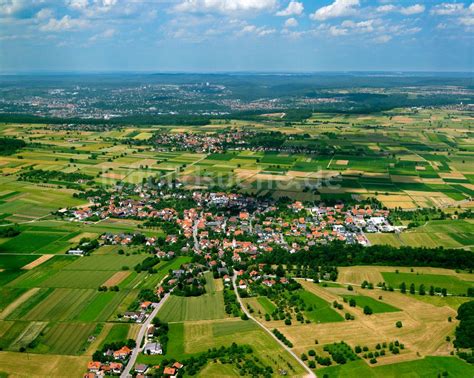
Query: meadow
[
  {"x": 453, "y": 284},
  {"x": 205, "y": 307},
  {"x": 376, "y": 306},
  {"x": 65, "y": 338},
  {"x": 425, "y": 368},
  {"x": 194, "y": 337},
  {"x": 322, "y": 311}
]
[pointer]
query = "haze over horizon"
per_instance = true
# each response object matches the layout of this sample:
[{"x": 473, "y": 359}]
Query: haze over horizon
[{"x": 235, "y": 36}]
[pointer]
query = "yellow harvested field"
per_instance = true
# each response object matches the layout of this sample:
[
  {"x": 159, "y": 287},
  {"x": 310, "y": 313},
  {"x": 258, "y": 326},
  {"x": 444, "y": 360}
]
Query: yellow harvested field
[
  {"x": 357, "y": 274},
  {"x": 246, "y": 173},
  {"x": 324, "y": 174},
  {"x": 405, "y": 179},
  {"x": 37, "y": 262},
  {"x": 219, "y": 285},
  {"x": 424, "y": 330},
  {"x": 117, "y": 278},
  {"x": 342, "y": 162},
  {"x": 88, "y": 235},
  {"x": 42, "y": 365},
  {"x": 266, "y": 177},
  {"x": 114, "y": 176},
  {"x": 402, "y": 119},
  {"x": 299, "y": 174},
  {"x": 452, "y": 175}
]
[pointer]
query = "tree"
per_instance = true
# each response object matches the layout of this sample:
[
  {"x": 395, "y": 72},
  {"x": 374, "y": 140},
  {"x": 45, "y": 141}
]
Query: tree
[
  {"x": 280, "y": 272},
  {"x": 465, "y": 331},
  {"x": 352, "y": 302},
  {"x": 304, "y": 357},
  {"x": 432, "y": 290},
  {"x": 403, "y": 287},
  {"x": 412, "y": 288},
  {"x": 421, "y": 290},
  {"x": 399, "y": 324},
  {"x": 367, "y": 310}
]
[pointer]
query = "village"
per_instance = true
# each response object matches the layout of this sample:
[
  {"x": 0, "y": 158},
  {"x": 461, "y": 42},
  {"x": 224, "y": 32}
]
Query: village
[
  {"x": 230, "y": 221},
  {"x": 222, "y": 230}
]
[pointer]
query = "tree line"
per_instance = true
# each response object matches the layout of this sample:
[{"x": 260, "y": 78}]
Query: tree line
[{"x": 340, "y": 254}]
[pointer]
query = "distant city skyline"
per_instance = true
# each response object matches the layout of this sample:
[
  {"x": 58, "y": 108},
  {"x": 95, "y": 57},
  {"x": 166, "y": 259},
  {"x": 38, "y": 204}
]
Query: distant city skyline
[{"x": 235, "y": 36}]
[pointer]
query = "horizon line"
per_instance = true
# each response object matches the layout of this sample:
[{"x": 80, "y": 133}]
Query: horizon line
[{"x": 227, "y": 72}]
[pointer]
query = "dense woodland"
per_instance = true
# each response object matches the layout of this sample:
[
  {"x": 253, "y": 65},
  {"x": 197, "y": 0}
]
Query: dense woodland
[
  {"x": 341, "y": 254},
  {"x": 9, "y": 146}
]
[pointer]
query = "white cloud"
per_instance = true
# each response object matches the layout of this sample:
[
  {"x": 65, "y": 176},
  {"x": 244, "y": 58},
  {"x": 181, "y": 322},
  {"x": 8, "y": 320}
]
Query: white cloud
[
  {"x": 362, "y": 26},
  {"x": 258, "y": 31},
  {"x": 65, "y": 23},
  {"x": 44, "y": 14},
  {"x": 386, "y": 8},
  {"x": 10, "y": 8},
  {"x": 462, "y": 16},
  {"x": 339, "y": 8},
  {"x": 294, "y": 8},
  {"x": 407, "y": 11},
  {"x": 106, "y": 34},
  {"x": 448, "y": 9},
  {"x": 78, "y": 4},
  {"x": 226, "y": 6},
  {"x": 337, "y": 32},
  {"x": 414, "y": 9},
  {"x": 466, "y": 21},
  {"x": 382, "y": 39},
  {"x": 291, "y": 23}
]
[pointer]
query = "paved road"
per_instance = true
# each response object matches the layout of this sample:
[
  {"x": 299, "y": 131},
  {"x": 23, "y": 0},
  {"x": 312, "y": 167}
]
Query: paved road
[
  {"x": 139, "y": 339},
  {"x": 310, "y": 372},
  {"x": 197, "y": 249}
]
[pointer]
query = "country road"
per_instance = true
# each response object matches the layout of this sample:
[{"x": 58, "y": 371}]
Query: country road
[
  {"x": 310, "y": 374},
  {"x": 139, "y": 339}
]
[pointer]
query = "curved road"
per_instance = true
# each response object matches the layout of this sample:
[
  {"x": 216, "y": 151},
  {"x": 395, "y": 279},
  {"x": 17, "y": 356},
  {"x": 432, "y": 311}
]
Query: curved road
[
  {"x": 139, "y": 339},
  {"x": 310, "y": 372}
]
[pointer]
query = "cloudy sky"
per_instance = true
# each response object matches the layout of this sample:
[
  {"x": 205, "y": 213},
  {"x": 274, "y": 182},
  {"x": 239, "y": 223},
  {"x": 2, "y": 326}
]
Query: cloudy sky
[{"x": 236, "y": 35}]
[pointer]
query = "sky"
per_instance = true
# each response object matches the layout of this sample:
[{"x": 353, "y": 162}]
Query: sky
[{"x": 235, "y": 35}]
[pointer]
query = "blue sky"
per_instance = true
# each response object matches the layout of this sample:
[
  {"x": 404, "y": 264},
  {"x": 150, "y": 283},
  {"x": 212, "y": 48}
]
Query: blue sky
[{"x": 236, "y": 35}]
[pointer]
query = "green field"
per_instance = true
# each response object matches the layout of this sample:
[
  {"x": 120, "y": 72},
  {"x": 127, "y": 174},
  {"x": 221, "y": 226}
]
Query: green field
[
  {"x": 84, "y": 279},
  {"x": 191, "y": 338},
  {"x": 106, "y": 262},
  {"x": 65, "y": 338},
  {"x": 8, "y": 295},
  {"x": 376, "y": 306},
  {"x": 14, "y": 262},
  {"x": 37, "y": 242},
  {"x": 118, "y": 332},
  {"x": 204, "y": 307},
  {"x": 426, "y": 368},
  {"x": 453, "y": 284},
  {"x": 267, "y": 305},
  {"x": 163, "y": 269},
  {"x": 60, "y": 305},
  {"x": 322, "y": 311},
  {"x": 102, "y": 306}
]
